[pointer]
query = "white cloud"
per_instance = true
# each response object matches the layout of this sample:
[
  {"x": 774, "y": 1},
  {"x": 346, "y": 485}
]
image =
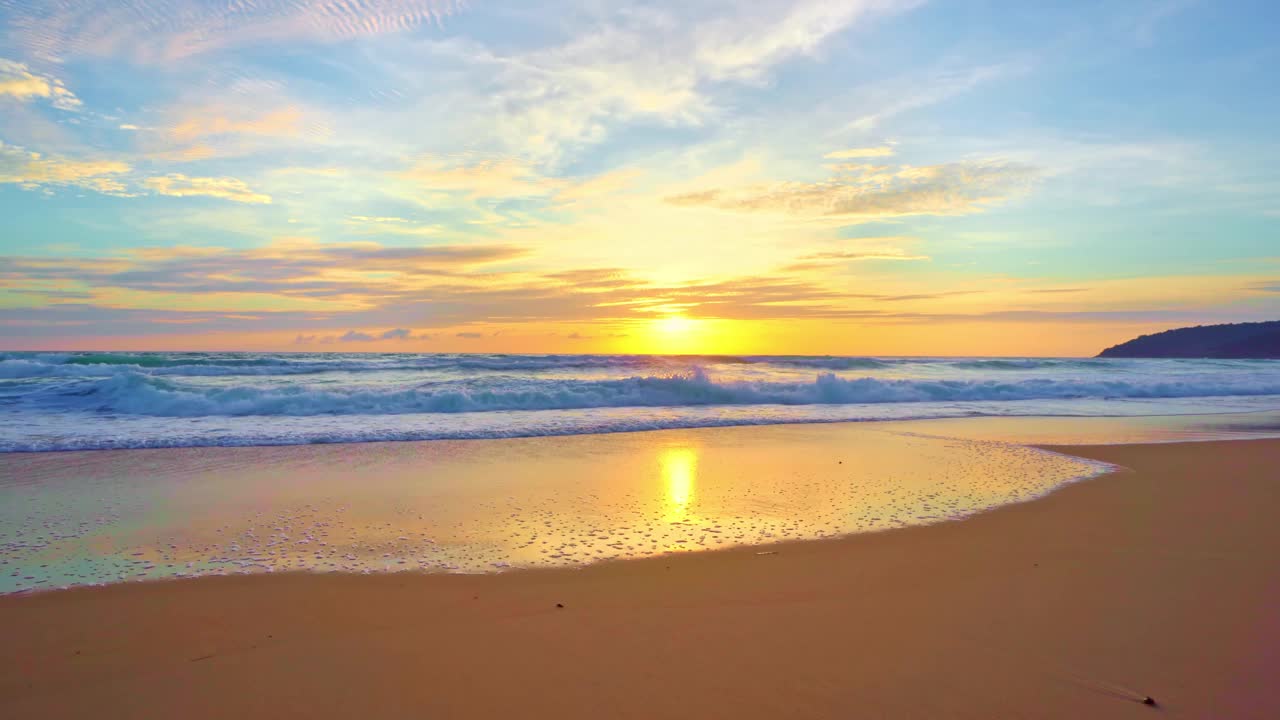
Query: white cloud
[
  {"x": 744, "y": 43},
  {"x": 19, "y": 82},
  {"x": 851, "y": 153},
  {"x": 227, "y": 188},
  {"x": 390, "y": 226},
  {"x": 32, "y": 170},
  {"x": 879, "y": 102},
  {"x": 646, "y": 64}
]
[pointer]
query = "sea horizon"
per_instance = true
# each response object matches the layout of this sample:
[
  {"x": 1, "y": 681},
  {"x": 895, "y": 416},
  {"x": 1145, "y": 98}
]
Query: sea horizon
[{"x": 89, "y": 400}]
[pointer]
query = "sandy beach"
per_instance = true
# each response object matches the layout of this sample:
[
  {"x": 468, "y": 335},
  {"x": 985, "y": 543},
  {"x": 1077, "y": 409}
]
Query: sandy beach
[{"x": 1157, "y": 580}]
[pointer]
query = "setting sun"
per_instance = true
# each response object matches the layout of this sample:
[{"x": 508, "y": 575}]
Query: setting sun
[
  {"x": 681, "y": 335},
  {"x": 675, "y": 325},
  {"x": 707, "y": 332}
]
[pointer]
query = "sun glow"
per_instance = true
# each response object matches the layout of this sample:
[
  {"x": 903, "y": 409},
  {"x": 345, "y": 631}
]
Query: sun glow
[
  {"x": 679, "y": 477},
  {"x": 675, "y": 325},
  {"x": 676, "y": 335}
]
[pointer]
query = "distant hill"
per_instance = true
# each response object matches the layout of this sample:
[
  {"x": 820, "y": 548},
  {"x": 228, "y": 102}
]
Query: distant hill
[{"x": 1240, "y": 341}]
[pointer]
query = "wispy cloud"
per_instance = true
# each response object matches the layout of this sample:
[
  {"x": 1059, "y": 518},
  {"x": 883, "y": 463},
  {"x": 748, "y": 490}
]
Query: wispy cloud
[
  {"x": 882, "y": 101},
  {"x": 369, "y": 293},
  {"x": 748, "y": 42},
  {"x": 33, "y": 170},
  {"x": 367, "y": 225},
  {"x": 227, "y": 188},
  {"x": 501, "y": 177},
  {"x": 865, "y": 152},
  {"x": 168, "y": 30},
  {"x": 869, "y": 192},
  {"x": 826, "y": 260},
  {"x": 201, "y": 124},
  {"x": 658, "y": 63},
  {"x": 357, "y": 336}
]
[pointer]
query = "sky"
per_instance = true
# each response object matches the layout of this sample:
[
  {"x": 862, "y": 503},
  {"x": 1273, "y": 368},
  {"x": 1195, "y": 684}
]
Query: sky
[{"x": 955, "y": 177}]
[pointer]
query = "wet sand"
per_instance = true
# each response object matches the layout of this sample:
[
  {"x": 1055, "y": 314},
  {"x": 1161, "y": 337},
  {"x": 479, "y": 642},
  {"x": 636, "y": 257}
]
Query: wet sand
[
  {"x": 80, "y": 518},
  {"x": 1160, "y": 579}
]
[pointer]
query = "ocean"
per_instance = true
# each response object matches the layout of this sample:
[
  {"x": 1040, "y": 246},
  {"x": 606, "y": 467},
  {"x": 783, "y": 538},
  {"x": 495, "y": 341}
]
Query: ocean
[{"x": 87, "y": 401}]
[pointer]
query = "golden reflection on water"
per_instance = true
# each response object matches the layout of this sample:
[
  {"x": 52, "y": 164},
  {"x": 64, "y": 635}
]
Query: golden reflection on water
[{"x": 679, "y": 478}]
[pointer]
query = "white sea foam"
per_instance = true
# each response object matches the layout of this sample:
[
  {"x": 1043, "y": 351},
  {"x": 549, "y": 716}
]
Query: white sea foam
[{"x": 68, "y": 400}]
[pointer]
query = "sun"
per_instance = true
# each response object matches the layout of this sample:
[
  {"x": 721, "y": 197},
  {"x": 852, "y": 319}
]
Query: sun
[
  {"x": 674, "y": 325},
  {"x": 674, "y": 333}
]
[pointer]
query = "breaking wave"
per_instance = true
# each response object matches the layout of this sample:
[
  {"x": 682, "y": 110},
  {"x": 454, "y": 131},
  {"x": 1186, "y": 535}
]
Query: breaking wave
[
  {"x": 133, "y": 393},
  {"x": 32, "y": 365}
]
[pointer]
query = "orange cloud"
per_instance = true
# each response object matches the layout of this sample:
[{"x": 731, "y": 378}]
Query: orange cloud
[
  {"x": 285, "y": 122},
  {"x": 33, "y": 170},
  {"x": 19, "y": 82}
]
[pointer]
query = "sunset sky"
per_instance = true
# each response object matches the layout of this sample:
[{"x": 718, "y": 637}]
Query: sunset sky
[{"x": 957, "y": 177}]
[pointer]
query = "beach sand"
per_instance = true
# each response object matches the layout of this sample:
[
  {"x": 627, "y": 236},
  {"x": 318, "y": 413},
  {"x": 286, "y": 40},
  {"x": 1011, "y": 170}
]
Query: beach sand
[{"x": 1161, "y": 579}]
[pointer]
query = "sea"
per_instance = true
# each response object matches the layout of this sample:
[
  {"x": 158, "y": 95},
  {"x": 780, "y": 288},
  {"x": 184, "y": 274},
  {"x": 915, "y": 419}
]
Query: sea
[
  {"x": 286, "y": 463},
  {"x": 103, "y": 400}
]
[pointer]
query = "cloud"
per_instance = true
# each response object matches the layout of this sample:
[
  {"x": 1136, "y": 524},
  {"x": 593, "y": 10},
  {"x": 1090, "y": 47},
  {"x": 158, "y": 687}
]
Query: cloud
[
  {"x": 596, "y": 187},
  {"x": 18, "y": 82},
  {"x": 894, "y": 96},
  {"x": 290, "y": 270},
  {"x": 390, "y": 226},
  {"x": 874, "y": 192},
  {"x": 892, "y": 254},
  {"x": 826, "y": 261},
  {"x": 928, "y": 296},
  {"x": 227, "y": 121},
  {"x": 376, "y": 220},
  {"x": 356, "y": 336},
  {"x": 316, "y": 294},
  {"x": 167, "y": 30},
  {"x": 745, "y": 43},
  {"x": 655, "y": 63},
  {"x": 880, "y": 151},
  {"x": 582, "y": 336},
  {"x": 32, "y": 170},
  {"x": 501, "y": 177},
  {"x": 200, "y": 124},
  {"x": 179, "y": 185}
]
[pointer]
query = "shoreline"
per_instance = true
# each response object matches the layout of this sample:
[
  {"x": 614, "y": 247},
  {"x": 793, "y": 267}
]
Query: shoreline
[
  {"x": 1101, "y": 470},
  {"x": 1211, "y": 428},
  {"x": 476, "y": 506},
  {"x": 1148, "y": 580}
]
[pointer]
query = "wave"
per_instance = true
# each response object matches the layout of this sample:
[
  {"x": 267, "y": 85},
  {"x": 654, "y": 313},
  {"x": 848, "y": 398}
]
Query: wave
[
  {"x": 15, "y": 366},
  {"x": 132, "y": 393},
  {"x": 68, "y": 365},
  {"x": 1008, "y": 364}
]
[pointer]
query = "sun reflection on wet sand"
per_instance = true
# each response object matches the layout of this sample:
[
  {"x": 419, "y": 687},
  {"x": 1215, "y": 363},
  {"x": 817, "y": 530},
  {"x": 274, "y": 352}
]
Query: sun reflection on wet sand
[
  {"x": 484, "y": 506},
  {"x": 679, "y": 478}
]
